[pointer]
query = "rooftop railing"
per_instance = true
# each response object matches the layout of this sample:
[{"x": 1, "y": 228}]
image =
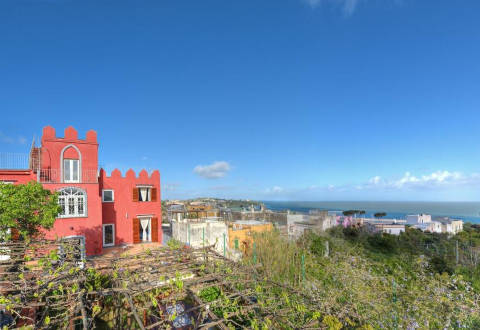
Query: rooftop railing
[
  {"x": 87, "y": 175},
  {"x": 14, "y": 161}
]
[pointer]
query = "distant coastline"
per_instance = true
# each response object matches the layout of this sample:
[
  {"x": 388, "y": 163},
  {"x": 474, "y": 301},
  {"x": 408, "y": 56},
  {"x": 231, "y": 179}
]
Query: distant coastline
[{"x": 467, "y": 211}]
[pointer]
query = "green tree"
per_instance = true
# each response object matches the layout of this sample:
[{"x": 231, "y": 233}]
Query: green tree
[
  {"x": 353, "y": 212},
  {"x": 380, "y": 215},
  {"x": 27, "y": 208}
]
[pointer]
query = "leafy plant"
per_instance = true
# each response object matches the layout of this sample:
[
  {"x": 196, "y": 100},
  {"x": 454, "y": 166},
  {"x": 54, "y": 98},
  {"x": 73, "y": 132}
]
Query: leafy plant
[{"x": 27, "y": 208}]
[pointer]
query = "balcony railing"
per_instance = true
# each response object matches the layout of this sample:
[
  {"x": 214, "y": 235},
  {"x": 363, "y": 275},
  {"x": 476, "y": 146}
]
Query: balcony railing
[{"x": 88, "y": 175}]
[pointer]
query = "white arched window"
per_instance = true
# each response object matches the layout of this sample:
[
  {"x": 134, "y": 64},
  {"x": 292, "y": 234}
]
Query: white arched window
[
  {"x": 71, "y": 167},
  {"x": 73, "y": 202}
]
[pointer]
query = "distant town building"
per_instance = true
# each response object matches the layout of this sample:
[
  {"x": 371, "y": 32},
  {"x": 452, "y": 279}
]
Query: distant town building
[
  {"x": 450, "y": 226},
  {"x": 386, "y": 227},
  {"x": 415, "y": 219},
  {"x": 201, "y": 210},
  {"x": 176, "y": 212},
  {"x": 314, "y": 221},
  {"x": 439, "y": 225}
]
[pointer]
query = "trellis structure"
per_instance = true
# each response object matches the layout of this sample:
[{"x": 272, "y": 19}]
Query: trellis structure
[{"x": 156, "y": 289}]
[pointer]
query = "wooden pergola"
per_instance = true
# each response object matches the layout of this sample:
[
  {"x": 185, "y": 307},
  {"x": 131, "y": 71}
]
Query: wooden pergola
[{"x": 155, "y": 289}]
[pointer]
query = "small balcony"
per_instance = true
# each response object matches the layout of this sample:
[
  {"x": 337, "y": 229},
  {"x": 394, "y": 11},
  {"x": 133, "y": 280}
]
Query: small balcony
[{"x": 87, "y": 175}]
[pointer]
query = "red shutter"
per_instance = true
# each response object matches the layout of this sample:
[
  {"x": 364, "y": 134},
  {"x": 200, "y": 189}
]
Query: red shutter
[
  {"x": 135, "y": 194},
  {"x": 154, "y": 229},
  {"x": 136, "y": 230},
  {"x": 154, "y": 194}
]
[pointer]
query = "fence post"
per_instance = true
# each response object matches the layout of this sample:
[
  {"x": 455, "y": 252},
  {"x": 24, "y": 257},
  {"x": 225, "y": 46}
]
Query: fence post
[
  {"x": 254, "y": 253},
  {"x": 224, "y": 244},
  {"x": 394, "y": 300},
  {"x": 303, "y": 268},
  {"x": 188, "y": 234},
  {"x": 456, "y": 251},
  {"x": 203, "y": 243},
  {"x": 327, "y": 249}
]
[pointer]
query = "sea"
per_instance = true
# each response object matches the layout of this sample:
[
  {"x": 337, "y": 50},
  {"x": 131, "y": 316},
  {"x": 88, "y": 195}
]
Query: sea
[{"x": 467, "y": 211}]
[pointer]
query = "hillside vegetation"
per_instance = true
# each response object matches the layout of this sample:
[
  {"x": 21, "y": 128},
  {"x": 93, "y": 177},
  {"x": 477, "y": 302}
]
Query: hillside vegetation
[{"x": 363, "y": 280}]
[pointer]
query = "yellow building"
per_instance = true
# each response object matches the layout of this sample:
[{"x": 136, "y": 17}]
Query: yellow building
[{"x": 240, "y": 233}]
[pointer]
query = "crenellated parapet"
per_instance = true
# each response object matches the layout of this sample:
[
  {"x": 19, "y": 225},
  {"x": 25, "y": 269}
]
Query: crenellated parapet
[
  {"x": 70, "y": 134},
  {"x": 130, "y": 173}
]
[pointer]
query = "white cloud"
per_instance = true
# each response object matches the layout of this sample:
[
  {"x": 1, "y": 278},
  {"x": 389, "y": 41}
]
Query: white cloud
[
  {"x": 348, "y": 6},
  {"x": 12, "y": 140},
  {"x": 433, "y": 180},
  {"x": 216, "y": 170},
  {"x": 274, "y": 190},
  {"x": 375, "y": 180}
]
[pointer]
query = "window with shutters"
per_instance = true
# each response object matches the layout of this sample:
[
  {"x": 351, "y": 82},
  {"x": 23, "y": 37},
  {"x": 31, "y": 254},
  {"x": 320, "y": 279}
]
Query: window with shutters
[
  {"x": 144, "y": 194},
  {"x": 73, "y": 202}
]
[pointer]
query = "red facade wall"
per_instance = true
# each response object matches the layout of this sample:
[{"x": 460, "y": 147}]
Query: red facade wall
[
  {"x": 17, "y": 176},
  {"x": 89, "y": 226},
  {"x": 124, "y": 209},
  {"x": 53, "y": 150},
  {"x": 52, "y": 147},
  {"x": 121, "y": 212}
]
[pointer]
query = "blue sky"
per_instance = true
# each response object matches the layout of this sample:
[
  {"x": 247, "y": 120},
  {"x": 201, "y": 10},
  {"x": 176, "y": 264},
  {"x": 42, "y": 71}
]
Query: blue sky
[{"x": 277, "y": 100}]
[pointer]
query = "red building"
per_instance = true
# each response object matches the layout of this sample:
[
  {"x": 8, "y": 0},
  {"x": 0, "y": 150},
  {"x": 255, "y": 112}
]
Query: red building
[{"x": 103, "y": 210}]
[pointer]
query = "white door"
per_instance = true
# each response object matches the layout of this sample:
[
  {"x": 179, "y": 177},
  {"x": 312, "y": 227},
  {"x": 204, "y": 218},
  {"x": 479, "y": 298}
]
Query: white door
[
  {"x": 145, "y": 230},
  {"x": 109, "y": 235},
  {"x": 71, "y": 170}
]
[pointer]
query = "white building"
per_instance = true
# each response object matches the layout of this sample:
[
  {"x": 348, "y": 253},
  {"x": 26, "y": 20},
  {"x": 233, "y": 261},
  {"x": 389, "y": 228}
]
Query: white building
[
  {"x": 440, "y": 225},
  {"x": 299, "y": 224},
  {"x": 416, "y": 219},
  {"x": 450, "y": 226},
  {"x": 386, "y": 227},
  {"x": 201, "y": 232}
]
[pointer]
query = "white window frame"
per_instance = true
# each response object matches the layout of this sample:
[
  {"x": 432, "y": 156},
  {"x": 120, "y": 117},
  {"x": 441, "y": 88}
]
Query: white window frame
[
  {"x": 113, "y": 234},
  {"x": 70, "y": 165},
  {"x": 103, "y": 196},
  {"x": 66, "y": 202}
]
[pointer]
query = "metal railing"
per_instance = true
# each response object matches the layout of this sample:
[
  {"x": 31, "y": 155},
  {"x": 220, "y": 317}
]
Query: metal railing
[
  {"x": 88, "y": 175},
  {"x": 14, "y": 161}
]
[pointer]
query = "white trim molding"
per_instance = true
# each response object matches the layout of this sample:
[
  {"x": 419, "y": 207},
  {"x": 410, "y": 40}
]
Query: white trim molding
[
  {"x": 113, "y": 234},
  {"x": 103, "y": 196},
  {"x": 79, "y": 162},
  {"x": 64, "y": 201}
]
